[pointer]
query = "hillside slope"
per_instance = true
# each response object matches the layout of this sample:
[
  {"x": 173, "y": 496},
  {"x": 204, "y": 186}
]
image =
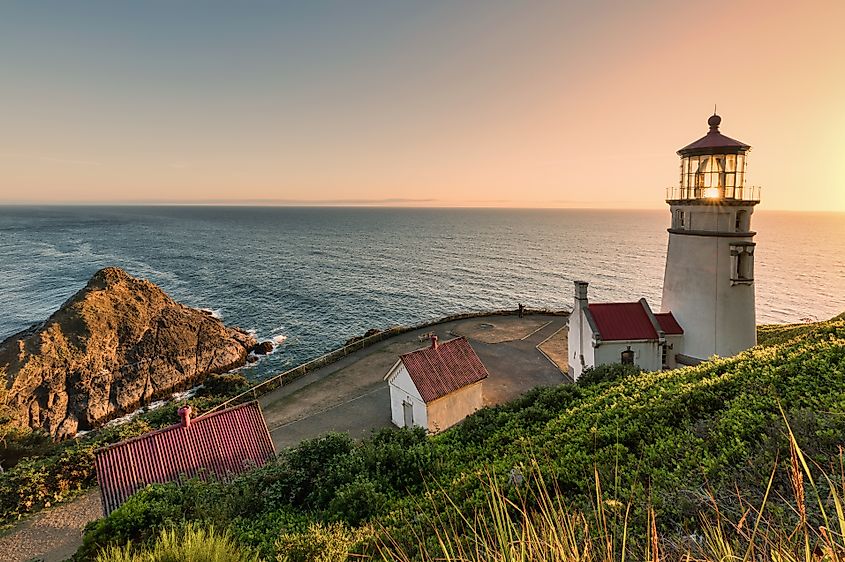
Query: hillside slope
[{"x": 666, "y": 443}]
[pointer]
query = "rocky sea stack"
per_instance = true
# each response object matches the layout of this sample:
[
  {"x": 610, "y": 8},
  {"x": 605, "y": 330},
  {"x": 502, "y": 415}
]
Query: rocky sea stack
[{"x": 117, "y": 344}]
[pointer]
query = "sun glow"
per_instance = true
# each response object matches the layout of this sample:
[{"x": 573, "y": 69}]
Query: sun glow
[{"x": 711, "y": 193}]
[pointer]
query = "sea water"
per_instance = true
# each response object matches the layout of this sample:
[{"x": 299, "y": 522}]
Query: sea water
[{"x": 311, "y": 278}]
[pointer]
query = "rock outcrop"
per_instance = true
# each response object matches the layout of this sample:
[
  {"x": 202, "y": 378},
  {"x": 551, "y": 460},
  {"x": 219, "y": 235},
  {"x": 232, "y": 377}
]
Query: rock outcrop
[{"x": 119, "y": 343}]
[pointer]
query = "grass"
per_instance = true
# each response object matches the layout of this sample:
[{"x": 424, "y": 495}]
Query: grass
[
  {"x": 190, "y": 544},
  {"x": 513, "y": 527}
]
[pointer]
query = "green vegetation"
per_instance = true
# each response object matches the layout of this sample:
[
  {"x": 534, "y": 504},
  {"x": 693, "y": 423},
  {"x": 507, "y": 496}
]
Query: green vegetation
[
  {"x": 664, "y": 461},
  {"x": 610, "y": 372},
  {"x": 191, "y": 544}
]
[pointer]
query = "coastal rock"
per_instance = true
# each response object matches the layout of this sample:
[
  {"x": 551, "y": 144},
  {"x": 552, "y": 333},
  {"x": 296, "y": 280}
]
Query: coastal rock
[
  {"x": 367, "y": 334},
  {"x": 263, "y": 348},
  {"x": 117, "y": 344}
]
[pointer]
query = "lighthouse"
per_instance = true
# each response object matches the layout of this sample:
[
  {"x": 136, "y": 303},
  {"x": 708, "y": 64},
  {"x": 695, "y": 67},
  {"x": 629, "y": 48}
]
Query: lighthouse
[{"x": 708, "y": 284}]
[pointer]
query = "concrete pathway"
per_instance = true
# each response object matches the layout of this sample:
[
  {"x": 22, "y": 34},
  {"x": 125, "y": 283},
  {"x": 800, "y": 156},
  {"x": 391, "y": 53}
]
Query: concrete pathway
[{"x": 351, "y": 395}]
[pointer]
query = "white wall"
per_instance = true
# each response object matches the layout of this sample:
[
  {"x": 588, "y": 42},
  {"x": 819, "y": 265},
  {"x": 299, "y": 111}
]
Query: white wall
[
  {"x": 402, "y": 389},
  {"x": 647, "y": 354},
  {"x": 580, "y": 342},
  {"x": 717, "y": 315},
  {"x": 445, "y": 412},
  {"x": 677, "y": 346}
]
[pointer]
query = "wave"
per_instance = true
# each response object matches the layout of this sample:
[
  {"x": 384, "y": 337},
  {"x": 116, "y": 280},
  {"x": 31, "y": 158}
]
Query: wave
[{"x": 213, "y": 312}]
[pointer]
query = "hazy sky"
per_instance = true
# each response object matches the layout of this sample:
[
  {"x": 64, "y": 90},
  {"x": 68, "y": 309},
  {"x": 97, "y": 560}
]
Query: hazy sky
[{"x": 530, "y": 103}]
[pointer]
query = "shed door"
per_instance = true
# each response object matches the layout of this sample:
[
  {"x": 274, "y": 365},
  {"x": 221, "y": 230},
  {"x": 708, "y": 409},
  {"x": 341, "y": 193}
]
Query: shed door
[{"x": 408, "y": 410}]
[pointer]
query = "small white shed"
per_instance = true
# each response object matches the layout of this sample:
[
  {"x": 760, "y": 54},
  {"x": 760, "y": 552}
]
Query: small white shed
[
  {"x": 437, "y": 386},
  {"x": 621, "y": 332}
]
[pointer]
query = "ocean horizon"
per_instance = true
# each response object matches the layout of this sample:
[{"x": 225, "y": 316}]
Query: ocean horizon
[{"x": 313, "y": 277}]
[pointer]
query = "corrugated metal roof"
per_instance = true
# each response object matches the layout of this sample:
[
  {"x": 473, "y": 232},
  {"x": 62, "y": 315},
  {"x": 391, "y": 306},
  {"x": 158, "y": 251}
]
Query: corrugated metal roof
[
  {"x": 668, "y": 323},
  {"x": 220, "y": 444},
  {"x": 622, "y": 321},
  {"x": 439, "y": 371}
]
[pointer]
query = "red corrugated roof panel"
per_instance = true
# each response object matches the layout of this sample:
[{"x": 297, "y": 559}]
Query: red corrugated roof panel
[
  {"x": 221, "y": 444},
  {"x": 439, "y": 371},
  {"x": 668, "y": 324},
  {"x": 622, "y": 321}
]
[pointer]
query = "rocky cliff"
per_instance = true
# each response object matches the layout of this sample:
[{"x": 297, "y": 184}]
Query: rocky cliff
[{"x": 117, "y": 344}]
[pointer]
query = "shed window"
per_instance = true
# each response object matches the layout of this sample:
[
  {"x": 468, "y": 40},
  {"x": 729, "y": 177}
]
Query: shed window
[{"x": 628, "y": 357}]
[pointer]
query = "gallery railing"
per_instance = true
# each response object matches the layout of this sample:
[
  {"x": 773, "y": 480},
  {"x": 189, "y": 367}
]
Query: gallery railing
[{"x": 748, "y": 193}]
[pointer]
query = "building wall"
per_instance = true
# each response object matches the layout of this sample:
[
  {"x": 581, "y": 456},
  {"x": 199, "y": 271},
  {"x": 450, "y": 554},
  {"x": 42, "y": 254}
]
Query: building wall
[
  {"x": 716, "y": 312},
  {"x": 580, "y": 339},
  {"x": 454, "y": 407},
  {"x": 402, "y": 389},
  {"x": 647, "y": 354},
  {"x": 676, "y": 346}
]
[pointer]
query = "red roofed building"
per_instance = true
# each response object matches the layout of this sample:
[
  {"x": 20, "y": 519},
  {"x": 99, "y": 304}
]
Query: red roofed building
[
  {"x": 437, "y": 386},
  {"x": 221, "y": 445},
  {"x": 621, "y": 332}
]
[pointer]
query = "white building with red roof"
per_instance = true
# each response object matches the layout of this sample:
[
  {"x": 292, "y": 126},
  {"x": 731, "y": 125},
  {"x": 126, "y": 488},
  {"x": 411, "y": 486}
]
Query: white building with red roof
[
  {"x": 437, "y": 386},
  {"x": 621, "y": 332}
]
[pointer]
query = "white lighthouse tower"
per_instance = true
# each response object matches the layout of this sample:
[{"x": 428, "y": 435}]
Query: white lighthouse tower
[{"x": 709, "y": 280}]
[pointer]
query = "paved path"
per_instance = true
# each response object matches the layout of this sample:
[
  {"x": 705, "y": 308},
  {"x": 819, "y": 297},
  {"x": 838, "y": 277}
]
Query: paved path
[
  {"x": 351, "y": 395},
  {"x": 52, "y": 535}
]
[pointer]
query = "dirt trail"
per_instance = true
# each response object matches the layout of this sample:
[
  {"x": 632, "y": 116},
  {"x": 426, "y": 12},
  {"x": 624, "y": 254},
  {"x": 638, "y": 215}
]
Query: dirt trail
[{"x": 52, "y": 535}]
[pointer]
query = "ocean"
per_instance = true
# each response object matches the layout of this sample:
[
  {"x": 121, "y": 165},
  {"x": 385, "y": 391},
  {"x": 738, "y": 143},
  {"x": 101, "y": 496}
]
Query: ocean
[{"x": 314, "y": 277}]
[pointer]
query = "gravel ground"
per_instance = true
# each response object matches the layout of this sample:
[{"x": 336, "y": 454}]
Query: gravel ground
[{"x": 52, "y": 535}]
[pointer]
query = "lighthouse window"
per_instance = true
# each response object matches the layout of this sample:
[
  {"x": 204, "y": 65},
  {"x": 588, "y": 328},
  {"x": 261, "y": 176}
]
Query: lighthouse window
[
  {"x": 739, "y": 225},
  {"x": 742, "y": 257}
]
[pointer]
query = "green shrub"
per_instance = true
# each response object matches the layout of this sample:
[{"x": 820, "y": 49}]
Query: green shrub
[
  {"x": 357, "y": 502},
  {"x": 609, "y": 372},
  {"x": 227, "y": 384},
  {"x": 189, "y": 544},
  {"x": 322, "y": 543}
]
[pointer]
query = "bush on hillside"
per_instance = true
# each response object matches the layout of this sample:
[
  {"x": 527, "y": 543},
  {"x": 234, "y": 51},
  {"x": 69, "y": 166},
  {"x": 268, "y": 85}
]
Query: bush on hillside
[
  {"x": 189, "y": 544},
  {"x": 609, "y": 372},
  {"x": 227, "y": 384}
]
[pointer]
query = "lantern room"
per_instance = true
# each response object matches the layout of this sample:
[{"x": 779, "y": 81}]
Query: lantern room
[{"x": 713, "y": 170}]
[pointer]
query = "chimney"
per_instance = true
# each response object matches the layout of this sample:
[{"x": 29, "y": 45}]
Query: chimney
[
  {"x": 581, "y": 294},
  {"x": 433, "y": 341},
  {"x": 185, "y": 416}
]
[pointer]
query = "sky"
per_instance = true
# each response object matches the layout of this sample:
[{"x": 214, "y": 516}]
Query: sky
[{"x": 427, "y": 103}]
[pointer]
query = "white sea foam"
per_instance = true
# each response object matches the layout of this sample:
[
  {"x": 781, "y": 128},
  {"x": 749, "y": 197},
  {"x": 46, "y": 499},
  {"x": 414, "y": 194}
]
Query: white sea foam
[
  {"x": 175, "y": 397},
  {"x": 214, "y": 312},
  {"x": 279, "y": 339}
]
